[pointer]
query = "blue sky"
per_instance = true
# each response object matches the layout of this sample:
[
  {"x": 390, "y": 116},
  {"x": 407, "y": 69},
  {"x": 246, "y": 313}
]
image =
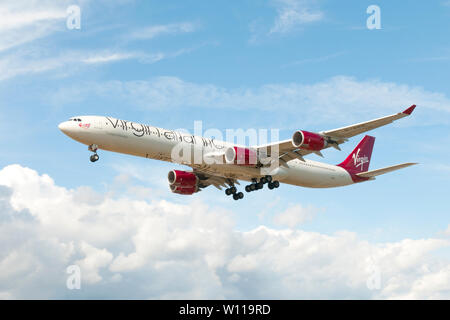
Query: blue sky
[{"x": 283, "y": 64}]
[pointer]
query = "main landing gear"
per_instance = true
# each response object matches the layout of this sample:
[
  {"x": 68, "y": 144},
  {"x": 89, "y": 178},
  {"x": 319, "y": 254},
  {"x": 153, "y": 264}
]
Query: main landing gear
[
  {"x": 255, "y": 185},
  {"x": 233, "y": 191},
  {"x": 93, "y": 148}
]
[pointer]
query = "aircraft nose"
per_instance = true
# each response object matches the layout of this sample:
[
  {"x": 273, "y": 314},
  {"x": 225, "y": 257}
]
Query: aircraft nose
[{"x": 64, "y": 127}]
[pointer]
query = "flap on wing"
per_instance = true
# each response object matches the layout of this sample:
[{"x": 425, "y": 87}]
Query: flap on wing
[{"x": 374, "y": 173}]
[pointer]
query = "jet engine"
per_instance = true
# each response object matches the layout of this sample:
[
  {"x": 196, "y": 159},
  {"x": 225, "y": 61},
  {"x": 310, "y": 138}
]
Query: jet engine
[
  {"x": 241, "y": 156},
  {"x": 183, "y": 182},
  {"x": 308, "y": 140}
]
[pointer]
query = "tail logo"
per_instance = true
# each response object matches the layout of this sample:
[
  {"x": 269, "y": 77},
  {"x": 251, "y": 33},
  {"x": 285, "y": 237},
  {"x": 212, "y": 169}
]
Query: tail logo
[{"x": 359, "y": 161}]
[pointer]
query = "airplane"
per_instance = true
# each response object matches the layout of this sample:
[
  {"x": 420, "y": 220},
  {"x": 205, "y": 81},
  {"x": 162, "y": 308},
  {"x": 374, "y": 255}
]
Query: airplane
[{"x": 222, "y": 164}]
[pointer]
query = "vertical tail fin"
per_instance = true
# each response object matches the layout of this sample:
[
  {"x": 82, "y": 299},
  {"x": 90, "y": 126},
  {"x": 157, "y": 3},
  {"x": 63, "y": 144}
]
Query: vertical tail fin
[{"x": 359, "y": 159}]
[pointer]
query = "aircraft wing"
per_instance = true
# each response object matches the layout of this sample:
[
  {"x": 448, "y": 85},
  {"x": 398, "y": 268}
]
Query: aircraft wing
[
  {"x": 287, "y": 151},
  {"x": 344, "y": 133}
]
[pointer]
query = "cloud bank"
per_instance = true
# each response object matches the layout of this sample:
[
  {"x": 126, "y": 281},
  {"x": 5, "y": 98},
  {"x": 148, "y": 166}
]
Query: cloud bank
[{"x": 128, "y": 248}]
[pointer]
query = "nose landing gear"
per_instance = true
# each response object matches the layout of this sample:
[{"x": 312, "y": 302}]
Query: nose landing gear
[{"x": 94, "y": 157}]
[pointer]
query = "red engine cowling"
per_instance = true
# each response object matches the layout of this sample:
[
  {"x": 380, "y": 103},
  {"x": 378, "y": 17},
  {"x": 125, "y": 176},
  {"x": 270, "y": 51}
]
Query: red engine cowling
[
  {"x": 308, "y": 140},
  {"x": 241, "y": 156},
  {"x": 183, "y": 190},
  {"x": 183, "y": 182}
]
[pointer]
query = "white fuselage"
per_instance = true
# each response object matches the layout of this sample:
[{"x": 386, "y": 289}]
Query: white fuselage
[{"x": 156, "y": 143}]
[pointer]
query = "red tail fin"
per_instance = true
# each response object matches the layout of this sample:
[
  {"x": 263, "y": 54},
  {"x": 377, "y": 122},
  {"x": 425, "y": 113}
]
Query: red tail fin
[{"x": 359, "y": 159}]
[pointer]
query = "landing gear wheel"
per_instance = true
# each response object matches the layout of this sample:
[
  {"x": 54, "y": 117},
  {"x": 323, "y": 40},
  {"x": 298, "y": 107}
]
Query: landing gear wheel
[
  {"x": 93, "y": 148},
  {"x": 276, "y": 184},
  {"x": 240, "y": 195},
  {"x": 271, "y": 186},
  {"x": 259, "y": 185},
  {"x": 263, "y": 180},
  {"x": 248, "y": 189},
  {"x": 233, "y": 189},
  {"x": 269, "y": 178},
  {"x": 94, "y": 158},
  {"x": 228, "y": 191},
  {"x": 235, "y": 196},
  {"x": 252, "y": 187}
]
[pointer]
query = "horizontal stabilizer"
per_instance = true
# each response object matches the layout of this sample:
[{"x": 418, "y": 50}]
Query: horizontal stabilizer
[{"x": 373, "y": 173}]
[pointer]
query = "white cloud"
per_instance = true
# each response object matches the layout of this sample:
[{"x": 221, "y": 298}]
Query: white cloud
[
  {"x": 128, "y": 248},
  {"x": 106, "y": 57},
  {"x": 109, "y": 57},
  {"x": 25, "y": 21},
  {"x": 294, "y": 13},
  {"x": 93, "y": 260},
  {"x": 447, "y": 231},
  {"x": 34, "y": 62},
  {"x": 14, "y": 20},
  {"x": 164, "y": 29},
  {"x": 295, "y": 215}
]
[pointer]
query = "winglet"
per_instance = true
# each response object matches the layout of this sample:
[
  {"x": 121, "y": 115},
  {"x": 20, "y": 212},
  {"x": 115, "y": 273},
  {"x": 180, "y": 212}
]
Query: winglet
[{"x": 409, "y": 110}]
